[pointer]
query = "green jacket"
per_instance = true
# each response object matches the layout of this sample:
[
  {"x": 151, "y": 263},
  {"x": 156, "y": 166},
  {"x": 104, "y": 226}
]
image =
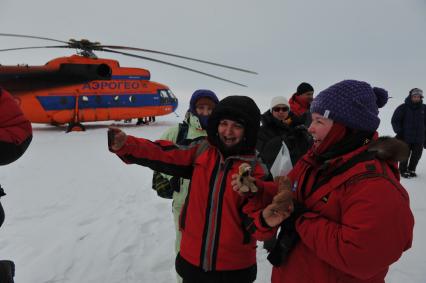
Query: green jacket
[{"x": 194, "y": 131}]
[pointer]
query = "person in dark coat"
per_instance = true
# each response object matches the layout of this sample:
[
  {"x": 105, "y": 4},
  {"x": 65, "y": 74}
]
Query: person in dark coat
[
  {"x": 281, "y": 128},
  {"x": 280, "y": 125},
  {"x": 409, "y": 124},
  {"x": 15, "y": 137}
]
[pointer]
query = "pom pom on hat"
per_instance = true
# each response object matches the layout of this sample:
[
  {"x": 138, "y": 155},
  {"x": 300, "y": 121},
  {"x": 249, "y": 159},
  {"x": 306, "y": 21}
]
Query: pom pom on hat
[{"x": 381, "y": 96}]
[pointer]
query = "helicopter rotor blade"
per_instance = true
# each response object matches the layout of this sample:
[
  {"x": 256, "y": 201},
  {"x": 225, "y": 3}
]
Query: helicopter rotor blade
[
  {"x": 179, "y": 56},
  {"x": 34, "y": 47},
  {"x": 32, "y": 36},
  {"x": 171, "y": 64}
]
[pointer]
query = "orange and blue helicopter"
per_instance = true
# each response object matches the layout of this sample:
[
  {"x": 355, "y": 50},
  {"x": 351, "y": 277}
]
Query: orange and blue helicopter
[{"x": 84, "y": 88}]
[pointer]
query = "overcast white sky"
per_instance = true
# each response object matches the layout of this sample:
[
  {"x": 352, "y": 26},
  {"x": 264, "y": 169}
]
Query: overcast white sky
[{"x": 321, "y": 42}]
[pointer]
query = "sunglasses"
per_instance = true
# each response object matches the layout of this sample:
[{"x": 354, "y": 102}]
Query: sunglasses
[{"x": 278, "y": 109}]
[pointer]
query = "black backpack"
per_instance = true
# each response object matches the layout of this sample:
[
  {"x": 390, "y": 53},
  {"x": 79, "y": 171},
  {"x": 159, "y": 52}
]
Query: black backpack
[{"x": 163, "y": 186}]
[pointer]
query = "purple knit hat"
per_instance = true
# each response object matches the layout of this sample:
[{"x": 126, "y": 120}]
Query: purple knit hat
[{"x": 352, "y": 103}]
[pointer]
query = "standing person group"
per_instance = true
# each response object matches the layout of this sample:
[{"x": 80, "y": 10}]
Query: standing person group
[
  {"x": 219, "y": 226},
  {"x": 342, "y": 212},
  {"x": 409, "y": 124},
  {"x": 15, "y": 137},
  {"x": 201, "y": 105}
]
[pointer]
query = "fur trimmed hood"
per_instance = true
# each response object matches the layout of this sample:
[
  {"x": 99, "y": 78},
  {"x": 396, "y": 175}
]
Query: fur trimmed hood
[{"x": 388, "y": 148}]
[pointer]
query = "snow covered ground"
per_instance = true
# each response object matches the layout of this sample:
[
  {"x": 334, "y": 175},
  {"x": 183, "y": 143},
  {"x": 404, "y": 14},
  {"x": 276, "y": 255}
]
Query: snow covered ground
[{"x": 76, "y": 213}]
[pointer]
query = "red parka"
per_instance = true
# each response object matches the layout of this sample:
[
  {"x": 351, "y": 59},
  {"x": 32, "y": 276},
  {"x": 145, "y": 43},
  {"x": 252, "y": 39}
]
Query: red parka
[
  {"x": 15, "y": 129},
  {"x": 359, "y": 222},
  {"x": 219, "y": 227},
  {"x": 298, "y": 105}
]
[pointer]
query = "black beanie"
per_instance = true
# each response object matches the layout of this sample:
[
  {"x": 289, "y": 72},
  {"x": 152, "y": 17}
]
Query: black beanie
[
  {"x": 241, "y": 109},
  {"x": 303, "y": 88}
]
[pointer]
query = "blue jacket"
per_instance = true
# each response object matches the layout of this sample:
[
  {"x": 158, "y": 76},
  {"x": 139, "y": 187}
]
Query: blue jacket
[{"x": 409, "y": 122}]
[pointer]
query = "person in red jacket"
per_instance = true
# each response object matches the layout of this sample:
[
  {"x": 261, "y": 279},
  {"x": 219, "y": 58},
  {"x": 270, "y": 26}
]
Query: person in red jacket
[
  {"x": 301, "y": 101},
  {"x": 219, "y": 226},
  {"x": 15, "y": 137},
  {"x": 351, "y": 217}
]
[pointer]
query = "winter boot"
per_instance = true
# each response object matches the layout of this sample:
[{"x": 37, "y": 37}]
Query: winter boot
[
  {"x": 412, "y": 174},
  {"x": 7, "y": 271},
  {"x": 405, "y": 174}
]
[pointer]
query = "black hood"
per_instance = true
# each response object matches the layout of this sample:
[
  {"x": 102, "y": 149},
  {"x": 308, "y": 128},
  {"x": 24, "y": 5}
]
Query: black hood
[{"x": 241, "y": 109}]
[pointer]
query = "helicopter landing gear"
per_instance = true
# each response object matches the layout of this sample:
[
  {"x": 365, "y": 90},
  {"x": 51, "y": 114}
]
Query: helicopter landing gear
[
  {"x": 75, "y": 127},
  {"x": 141, "y": 121},
  {"x": 145, "y": 120}
]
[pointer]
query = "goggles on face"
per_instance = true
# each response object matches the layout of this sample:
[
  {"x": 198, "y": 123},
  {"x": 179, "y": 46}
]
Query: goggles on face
[{"x": 278, "y": 109}]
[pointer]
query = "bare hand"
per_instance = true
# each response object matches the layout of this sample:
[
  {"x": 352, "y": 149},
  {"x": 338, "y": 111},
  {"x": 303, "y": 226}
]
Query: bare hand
[
  {"x": 280, "y": 208},
  {"x": 116, "y": 137},
  {"x": 284, "y": 183}
]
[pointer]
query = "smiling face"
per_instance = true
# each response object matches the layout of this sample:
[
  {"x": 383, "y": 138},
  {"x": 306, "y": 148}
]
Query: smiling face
[
  {"x": 230, "y": 132},
  {"x": 319, "y": 128}
]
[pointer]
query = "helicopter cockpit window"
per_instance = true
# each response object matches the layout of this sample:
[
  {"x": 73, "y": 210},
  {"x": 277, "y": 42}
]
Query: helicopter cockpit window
[
  {"x": 164, "y": 97},
  {"x": 171, "y": 94}
]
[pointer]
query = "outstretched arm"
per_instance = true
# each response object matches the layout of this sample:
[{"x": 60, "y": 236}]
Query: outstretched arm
[{"x": 163, "y": 156}]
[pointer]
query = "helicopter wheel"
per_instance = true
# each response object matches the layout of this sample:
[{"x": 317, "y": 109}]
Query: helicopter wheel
[{"x": 75, "y": 127}]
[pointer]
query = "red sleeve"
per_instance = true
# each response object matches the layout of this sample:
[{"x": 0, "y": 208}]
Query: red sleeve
[
  {"x": 376, "y": 227},
  {"x": 254, "y": 208},
  {"x": 163, "y": 156},
  {"x": 14, "y": 127}
]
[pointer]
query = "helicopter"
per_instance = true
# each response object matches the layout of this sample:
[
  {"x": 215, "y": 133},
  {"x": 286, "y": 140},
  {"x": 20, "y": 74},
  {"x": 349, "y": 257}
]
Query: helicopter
[{"x": 84, "y": 88}]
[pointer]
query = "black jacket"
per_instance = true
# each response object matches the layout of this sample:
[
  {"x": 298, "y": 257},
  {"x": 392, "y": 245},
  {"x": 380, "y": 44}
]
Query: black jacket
[
  {"x": 273, "y": 132},
  {"x": 409, "y": 122}
]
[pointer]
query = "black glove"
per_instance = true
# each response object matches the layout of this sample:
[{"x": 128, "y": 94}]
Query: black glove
[
  {"x": 287, "y": 238},
  {"x": 175, "y": 184}
]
